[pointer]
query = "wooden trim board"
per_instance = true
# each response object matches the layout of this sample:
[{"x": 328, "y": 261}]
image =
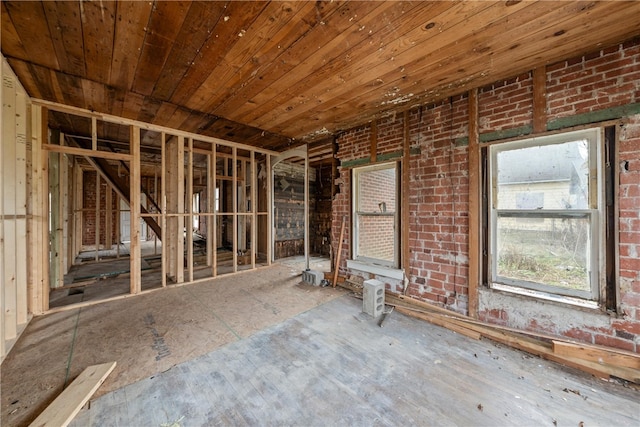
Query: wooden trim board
[
  {"x": 600, "y": 361},
  {"x": 62, "y": 410}
]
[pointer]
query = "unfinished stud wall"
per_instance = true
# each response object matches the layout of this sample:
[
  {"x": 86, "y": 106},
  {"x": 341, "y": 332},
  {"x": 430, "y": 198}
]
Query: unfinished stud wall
[
  {"x": 288, "y": 193},
  {"x": 14, "y": 131},
  {"x": 89, "y": 227},
  {"x": 591, "y": 88}
]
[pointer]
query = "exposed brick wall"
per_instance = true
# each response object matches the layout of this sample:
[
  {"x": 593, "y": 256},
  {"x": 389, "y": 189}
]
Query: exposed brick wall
[
  {"x": 439, "y": 186},
  {"x": 89, "y": 206},
  {"x": 603, "y": 79},
  {"x": 506, "y": 104}
]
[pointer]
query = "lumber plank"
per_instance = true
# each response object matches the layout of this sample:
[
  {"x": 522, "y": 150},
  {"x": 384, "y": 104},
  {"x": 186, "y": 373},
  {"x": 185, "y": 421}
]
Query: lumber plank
[
  {"x": 163, "y": 27},
  {"x": 62, "y": 410},
  {"x": 336, "y": 270},
  {"x": 599, "y": 354},
  {"x": 134, "y": 211},
  {"x": 538, "y": 344},
  {"x": 440, "y": 322},
  {"x": 208, "y": 61},
  {"x": 128, "y": 40},
  {"x": 390, "y": 60},
  {"x": 540, "y": 99},
  {"x": 503, "y": 37},
  {"x": 98, "y": 20},
  {"x": 26, "y": 16},
  {"x": 254, "y": 77},
  {"x": 9, "y": 194},
  {"x": 475, "y": 228},
  {"x": 189, "y": 209},
  {"x": 261, "y": 35},
  {"x": 404, "y": 199},
  {"x": 197, "y": 28},
  {"x": 66, "y": 36},
  {"x": 306, "y": 65}
]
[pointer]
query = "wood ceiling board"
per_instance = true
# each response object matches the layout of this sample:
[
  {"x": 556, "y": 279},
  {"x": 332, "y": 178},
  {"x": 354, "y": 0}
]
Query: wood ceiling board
[
  {"x": 21, "y": 68},
  {"x": 197, "y": 28},
  {"x": 72, "y": 88},
  {"x": 94, "y": 95},
  {"x": 164, "y": 25},
  {"x": 132, "y": 18},
  {"x": 400, "y": 88},
  {"x": 165, "y": 112},
  {"x": 132, "y": 105},
  {"x": 149, "y": 110},
  {"x": 257, "y": 46},
  {"x": 10, "y": 38},
  {"x": 298, "y": 69},
  {"x": 527, "y": 44},
  {"x": 317, "y": 87},
  {"x": 260, "y": 72},
  {"x": 237, "y": 16},
  {"x": 327, "y": 75},
  {"x": 30, "y": 23},
  {"x": 391, "y": 60},
  {"x": 115, "y": 100},
  {"x": 56, "y": 87},
  {"x": 65, "y": 28},
  {"x": 42, "y": 79},
  {"x": 294, "y": 65},
  {"x": 503, "y": 61}
]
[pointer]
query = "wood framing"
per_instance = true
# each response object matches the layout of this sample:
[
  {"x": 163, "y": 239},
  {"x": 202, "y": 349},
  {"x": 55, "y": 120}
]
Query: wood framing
[
  {"x": 97, "y": 218},
  {"x": 9, "y": 194},
  {"x": 134, "y": 210},
  {"x": 62, "y": 410},
  {"x": 189, "y": 207},
  {"x": 21, "y": 205},
  {"x": 475, "y": 229},
  {"x": 540, "y": 100},
  {"x": 374, "y": 141},
  {"x": 404, "y": 199},
  {"x": 163, "y": 209},
  {"x": 54, "y": 106}
]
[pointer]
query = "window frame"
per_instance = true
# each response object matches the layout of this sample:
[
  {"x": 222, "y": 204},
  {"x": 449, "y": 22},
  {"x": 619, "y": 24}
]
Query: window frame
[
  {"x": 356, "y": 214},
  {"x": 595, "y": 213}
]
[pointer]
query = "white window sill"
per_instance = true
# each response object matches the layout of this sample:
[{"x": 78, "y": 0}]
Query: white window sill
[
  {"x": 378, "y": 270},
  {"x": 545, "y": 296}
]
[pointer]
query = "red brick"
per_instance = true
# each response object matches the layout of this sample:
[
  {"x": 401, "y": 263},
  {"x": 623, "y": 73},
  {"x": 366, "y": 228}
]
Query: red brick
[{"x": 611, "y": 341}]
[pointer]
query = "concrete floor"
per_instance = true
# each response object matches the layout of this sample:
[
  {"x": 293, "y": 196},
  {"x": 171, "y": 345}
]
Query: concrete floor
[
  {"x": 333, "y": 366},
  {"x": 259, "y": 348}
]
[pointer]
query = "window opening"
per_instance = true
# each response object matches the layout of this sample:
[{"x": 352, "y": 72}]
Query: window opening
[
  {"x": 375, "y": 213},
  {"x": 546, "y": 209}
]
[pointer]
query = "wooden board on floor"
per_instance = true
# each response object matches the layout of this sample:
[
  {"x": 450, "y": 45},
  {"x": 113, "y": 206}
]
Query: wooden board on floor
[{"x": 72, "y": 399}]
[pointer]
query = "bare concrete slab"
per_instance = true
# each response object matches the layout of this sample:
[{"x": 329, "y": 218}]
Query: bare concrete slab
[{"x": 333, "y": 365}]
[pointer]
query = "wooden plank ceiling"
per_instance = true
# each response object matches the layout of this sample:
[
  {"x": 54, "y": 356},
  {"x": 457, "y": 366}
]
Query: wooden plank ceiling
[{"x": 278, "y": 74}]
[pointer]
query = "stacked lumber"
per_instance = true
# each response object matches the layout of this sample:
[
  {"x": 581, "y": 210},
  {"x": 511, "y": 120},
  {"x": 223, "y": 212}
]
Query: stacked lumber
[{"x": 600, "y": 361}]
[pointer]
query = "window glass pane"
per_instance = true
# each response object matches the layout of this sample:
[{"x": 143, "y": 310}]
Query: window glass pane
[
  {"x": 550, "y": 251},
  {"x": 544, "y": 177},
  {"x": 376, "y": 237},
  {"x": 377, "y": 191}
]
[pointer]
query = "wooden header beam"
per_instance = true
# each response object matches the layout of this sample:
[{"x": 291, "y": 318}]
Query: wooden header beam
[{"x": 54, "y": 106}]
